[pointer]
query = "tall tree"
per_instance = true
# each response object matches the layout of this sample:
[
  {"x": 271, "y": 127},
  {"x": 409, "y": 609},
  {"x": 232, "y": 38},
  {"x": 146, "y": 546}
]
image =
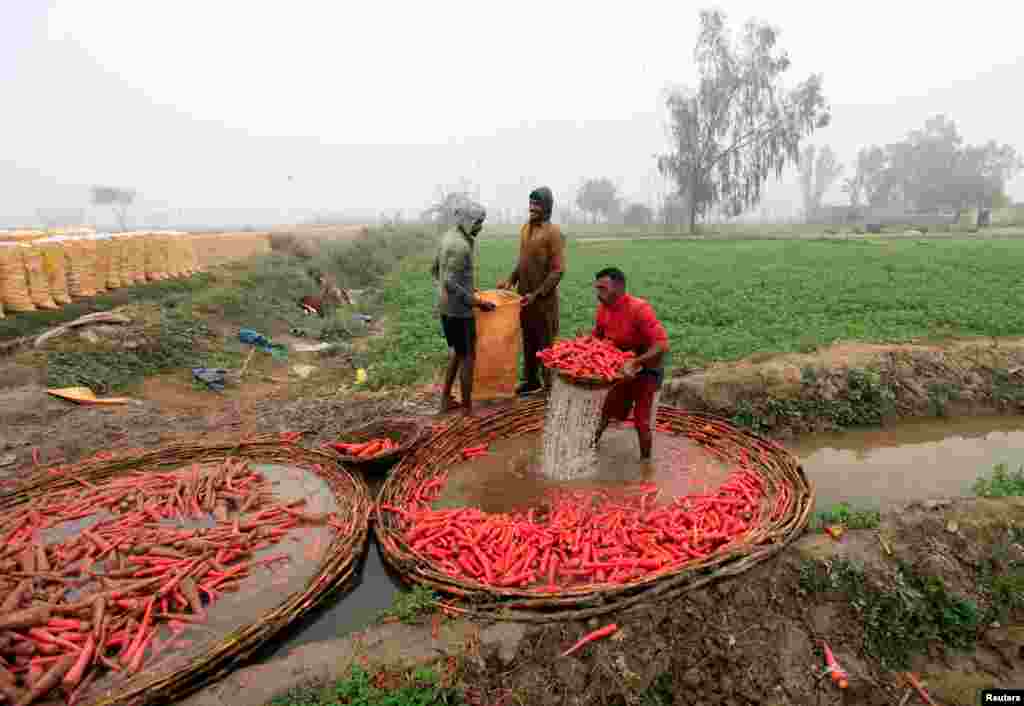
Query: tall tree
[
  {"x": 933, "y": 170},
  {"x": 598, "y": 197},
  {"x": 740, "y": 124},
  {"x": 867, "y": 186},
  {"x": 120, "y": 200},
  {"x": 818, "y": 171}
]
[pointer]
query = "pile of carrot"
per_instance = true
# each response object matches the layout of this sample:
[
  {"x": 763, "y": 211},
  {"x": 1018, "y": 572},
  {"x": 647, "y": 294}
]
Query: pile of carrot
[
  {"x": 366, "y": 449},
  {"x": 584, "y": 537},
  {"x": 586, "y": 357},
  {"x": 121, "y": 591}
]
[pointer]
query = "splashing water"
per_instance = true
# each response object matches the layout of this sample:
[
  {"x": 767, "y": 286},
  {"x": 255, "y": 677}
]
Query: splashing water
[{"x": 573, "y": 416}]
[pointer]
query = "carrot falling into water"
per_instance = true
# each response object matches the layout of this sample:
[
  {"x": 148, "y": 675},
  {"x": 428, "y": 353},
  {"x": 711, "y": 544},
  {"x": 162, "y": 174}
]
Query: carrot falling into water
[{"x": 590, "y": 637}]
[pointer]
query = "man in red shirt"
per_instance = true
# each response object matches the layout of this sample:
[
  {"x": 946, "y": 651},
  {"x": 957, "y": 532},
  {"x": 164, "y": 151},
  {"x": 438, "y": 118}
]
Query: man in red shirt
[{"x": 631, "y": 325}]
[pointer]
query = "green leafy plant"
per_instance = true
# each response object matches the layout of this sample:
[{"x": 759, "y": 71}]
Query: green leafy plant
[
  {"x": 409, "y": 606},
  {"x": 843, "y": 514},
  {"x": 1002, "y": 483}
]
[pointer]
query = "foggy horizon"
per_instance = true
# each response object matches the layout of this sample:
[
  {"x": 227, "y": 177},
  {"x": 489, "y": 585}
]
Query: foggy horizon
[{"x": 272, "y": 116}]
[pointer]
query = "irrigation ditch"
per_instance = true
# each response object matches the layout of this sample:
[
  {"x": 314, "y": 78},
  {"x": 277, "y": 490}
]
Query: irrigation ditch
[{"x": 928, "y": 584}]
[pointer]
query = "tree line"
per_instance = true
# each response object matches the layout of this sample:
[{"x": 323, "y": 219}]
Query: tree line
[{"x": 739, "y": 125}]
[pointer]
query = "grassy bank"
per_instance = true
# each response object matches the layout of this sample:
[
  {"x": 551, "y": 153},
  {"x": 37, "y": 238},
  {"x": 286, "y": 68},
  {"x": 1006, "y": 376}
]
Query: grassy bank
[
  {"x": 179, "y": 324},
  {"x": 726, "y": 300}
]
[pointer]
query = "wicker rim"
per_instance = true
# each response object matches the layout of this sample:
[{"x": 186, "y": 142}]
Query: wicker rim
[
  {"x": 407, "y": 432},
  {"x": 716, "y": 435},
  {"x": 334, "y": 574}
]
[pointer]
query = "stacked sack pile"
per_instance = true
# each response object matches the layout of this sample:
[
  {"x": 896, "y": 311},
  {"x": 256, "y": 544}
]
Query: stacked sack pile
[{"x": 44, "y": 270}]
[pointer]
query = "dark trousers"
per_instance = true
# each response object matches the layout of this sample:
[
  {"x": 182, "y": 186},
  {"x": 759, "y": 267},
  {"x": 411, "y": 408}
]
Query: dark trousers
[{"x": 540, "y": 329}]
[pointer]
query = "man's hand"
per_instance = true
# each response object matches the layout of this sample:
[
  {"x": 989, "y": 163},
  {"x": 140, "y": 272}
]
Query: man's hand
[
  {"x": 527, "y": 299},
  {"x": 485, "y": 305},
  {"x": 503, "y": 284},
  {"x": 630, "y": 368}
]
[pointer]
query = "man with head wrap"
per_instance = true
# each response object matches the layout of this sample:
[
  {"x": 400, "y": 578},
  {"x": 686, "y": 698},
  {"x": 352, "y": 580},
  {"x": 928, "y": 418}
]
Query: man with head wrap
[
  {"x": 537, "y": 274},
  {"x": 453, "y": 273}
]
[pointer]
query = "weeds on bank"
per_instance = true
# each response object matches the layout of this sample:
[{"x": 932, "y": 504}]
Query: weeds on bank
[
  {"x": 903, "y": 619},
  {"x": 843, "y": 514},
  {"x": 1003, "y": 483},
  {"x": 865, "y": 401},
  {"x": 410, "y": 606},
  {"x": 420, "y": 687},
  {"x": 171, "y": 344}
]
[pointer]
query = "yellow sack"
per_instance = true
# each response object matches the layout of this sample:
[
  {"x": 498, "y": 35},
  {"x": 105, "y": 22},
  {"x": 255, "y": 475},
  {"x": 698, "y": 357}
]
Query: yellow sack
[
  {"x": 81, "y": 253},
  {"x": 102, "y": 270},
  {"x": 116, "y": 246},
  {"x": 139, "y": 261},
  {"x": 56, "y": 268},
  {"x": 151, "y": 266},
  {"x": 498, "y": 343},
  {"x": 14, "y": 279},
  {"x": 35, "y": 274}
]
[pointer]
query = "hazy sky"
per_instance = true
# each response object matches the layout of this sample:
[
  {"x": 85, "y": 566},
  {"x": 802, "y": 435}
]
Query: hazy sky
[{"x": 371, "y": 105}]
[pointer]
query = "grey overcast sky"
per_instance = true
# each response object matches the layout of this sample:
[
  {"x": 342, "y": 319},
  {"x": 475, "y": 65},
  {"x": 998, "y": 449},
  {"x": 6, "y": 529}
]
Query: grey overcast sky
[{"x": 369, "y": 106}]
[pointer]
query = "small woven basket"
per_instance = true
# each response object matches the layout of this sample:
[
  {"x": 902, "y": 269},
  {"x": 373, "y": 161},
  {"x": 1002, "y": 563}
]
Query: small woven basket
[{"x": 407, "y": 433}]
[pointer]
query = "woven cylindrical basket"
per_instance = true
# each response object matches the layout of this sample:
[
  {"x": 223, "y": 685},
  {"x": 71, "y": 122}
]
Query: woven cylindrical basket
[
  {"x": 55, "y": 264},
  {"x": 14, "y": 279},
  {"x": 788, "y": 490},
  {"x": 334, "y": 573},
  {"x": 116, "y": 260},
  {"x": 38, "y": 282},
  {"x": 81, "y": 266}
]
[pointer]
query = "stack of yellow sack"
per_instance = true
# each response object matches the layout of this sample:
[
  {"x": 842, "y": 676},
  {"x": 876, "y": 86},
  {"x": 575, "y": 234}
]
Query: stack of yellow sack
[{"x": 55, "y": 265}]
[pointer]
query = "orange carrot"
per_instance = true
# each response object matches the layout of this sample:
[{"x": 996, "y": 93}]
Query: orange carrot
[
  {"x": 76, "y": 673},
  {"x": 590, "y": 637},
  {"x": 839, "y": 675}
]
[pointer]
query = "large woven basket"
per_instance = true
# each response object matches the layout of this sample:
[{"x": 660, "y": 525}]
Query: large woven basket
[
  {"x": 335, "y": 572},
  {"x": 407, "y": 433},
  {"x": 717, "y": 436}
]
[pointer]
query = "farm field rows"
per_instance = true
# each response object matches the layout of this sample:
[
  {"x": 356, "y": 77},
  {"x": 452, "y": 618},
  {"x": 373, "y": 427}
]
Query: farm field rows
[{"x": 726, "y": 300}]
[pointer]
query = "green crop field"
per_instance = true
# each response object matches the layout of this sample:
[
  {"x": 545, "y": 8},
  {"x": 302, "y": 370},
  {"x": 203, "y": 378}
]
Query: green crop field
[{"x": 728, "y": 299}]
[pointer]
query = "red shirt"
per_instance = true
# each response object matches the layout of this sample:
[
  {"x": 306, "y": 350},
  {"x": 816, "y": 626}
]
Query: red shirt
[{"x": 631, "y": 324}]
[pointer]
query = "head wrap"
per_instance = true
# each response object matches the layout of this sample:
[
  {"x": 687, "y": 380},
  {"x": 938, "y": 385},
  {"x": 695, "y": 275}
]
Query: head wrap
[
  {"x": 545, "y": 198},
  {"x": 467, "y": 213}
]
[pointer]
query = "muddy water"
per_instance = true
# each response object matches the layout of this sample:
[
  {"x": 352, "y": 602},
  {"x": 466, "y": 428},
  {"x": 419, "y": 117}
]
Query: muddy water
[
  {"x": 510, "y": 477},
  {"x": 867, "y": 468},
  {"x": 908, "y": 461}
]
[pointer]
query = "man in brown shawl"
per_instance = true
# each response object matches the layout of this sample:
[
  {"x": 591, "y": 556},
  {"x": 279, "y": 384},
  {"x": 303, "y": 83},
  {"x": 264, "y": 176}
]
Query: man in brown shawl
[{"x": 536, "y": 277}]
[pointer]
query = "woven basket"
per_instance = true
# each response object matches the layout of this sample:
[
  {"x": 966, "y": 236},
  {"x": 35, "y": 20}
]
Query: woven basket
[
  {"x": 55, "y": 265},
  {"x": 35, "y": 273},
  {"x": 407, "y": 433},
  {"x": 14, "y": 279},
  {"x": 334, "y": 574},
  {"x": 717, "y": 436}
]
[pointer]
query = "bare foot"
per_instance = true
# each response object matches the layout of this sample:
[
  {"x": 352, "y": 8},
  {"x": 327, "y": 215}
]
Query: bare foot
[{"x": 448, "y": 405}]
